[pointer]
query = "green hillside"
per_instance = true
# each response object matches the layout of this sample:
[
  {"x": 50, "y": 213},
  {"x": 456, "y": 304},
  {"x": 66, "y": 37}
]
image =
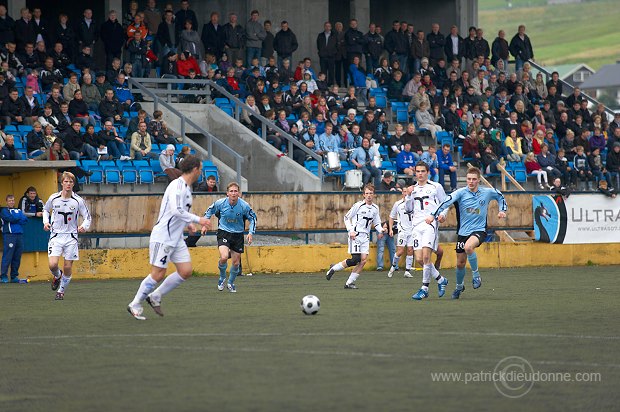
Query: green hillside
[{"x": 574, "y": 33}]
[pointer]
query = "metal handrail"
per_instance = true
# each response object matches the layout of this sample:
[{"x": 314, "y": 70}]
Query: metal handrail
[
  {"x": 589, "y": 98},
  {"x": 184, "y": 120},
  {"x": 238, "y": 105}
]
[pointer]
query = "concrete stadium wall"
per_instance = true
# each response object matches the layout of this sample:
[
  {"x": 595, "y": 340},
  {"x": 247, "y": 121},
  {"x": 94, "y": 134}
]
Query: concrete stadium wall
[{"x": 133, "y": 263}]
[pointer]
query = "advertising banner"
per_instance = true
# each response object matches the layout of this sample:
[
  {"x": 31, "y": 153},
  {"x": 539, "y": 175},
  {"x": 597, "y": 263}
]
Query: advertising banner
[{"x": 591, "y": 218}]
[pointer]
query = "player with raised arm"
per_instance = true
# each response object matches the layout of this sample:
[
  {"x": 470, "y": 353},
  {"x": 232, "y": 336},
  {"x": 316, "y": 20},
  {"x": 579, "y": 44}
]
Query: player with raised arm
[
  {"x": 422, "y": 200},
  {"x": 359, "y": 221},
  {"x": 404, "y": 239},
  {"x": 231, "y": 212},
  {"x": 166, "y": 243},
  {"x": 472, "y": 207},
  {"x": 60, "y": 218}
]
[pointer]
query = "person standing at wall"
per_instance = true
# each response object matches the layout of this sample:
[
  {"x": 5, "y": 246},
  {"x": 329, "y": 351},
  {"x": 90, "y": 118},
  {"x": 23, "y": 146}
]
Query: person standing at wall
[{"x": 13, "y": 220}]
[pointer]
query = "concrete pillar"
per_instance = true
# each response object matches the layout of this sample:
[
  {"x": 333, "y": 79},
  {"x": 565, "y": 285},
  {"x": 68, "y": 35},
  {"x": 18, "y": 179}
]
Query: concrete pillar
[
  {"x": 14, "y": 6},
  {"x": 116, "y": 5},
  {"x": 360, "y": 10}
]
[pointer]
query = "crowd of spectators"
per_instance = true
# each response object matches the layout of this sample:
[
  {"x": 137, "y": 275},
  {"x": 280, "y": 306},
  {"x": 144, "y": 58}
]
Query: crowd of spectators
[{"x": 463, "y": 85}]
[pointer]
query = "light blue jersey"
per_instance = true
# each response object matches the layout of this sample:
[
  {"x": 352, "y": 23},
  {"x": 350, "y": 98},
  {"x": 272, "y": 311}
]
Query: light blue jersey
[
  {"x": 472, "y": 208},
  {"x": 231, "y": 218}
]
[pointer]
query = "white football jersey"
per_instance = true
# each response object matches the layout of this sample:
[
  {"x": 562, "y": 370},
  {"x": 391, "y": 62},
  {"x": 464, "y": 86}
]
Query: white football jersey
[
  {"x": 362, "y": 217},
  {"x": 424, "y": 200},
  {"x": 174, "y": 214},
  {"x": 63, "y": 213},
  {"x": 404, "y": 218}
]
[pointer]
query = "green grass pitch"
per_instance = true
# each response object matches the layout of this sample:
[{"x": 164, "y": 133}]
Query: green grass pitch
[{"x": 372, "y": 349}]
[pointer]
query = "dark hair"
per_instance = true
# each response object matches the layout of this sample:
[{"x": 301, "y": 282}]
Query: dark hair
[
  {"x": 189, "y": 163},
  {"x": 422, "y": 164}
]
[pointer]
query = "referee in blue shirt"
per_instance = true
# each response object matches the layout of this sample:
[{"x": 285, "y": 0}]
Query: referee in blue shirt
[
  {"x": 13, "y": 220},
  {"x": 472, "y": 207},
  {"x": 232, "y": 213}
]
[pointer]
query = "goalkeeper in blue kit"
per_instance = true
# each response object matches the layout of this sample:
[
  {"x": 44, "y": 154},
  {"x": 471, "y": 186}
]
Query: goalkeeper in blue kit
[{"x": 472, "y": 207}]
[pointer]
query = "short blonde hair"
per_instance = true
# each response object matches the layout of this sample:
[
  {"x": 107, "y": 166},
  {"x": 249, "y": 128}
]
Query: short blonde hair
[{"x": 68, "y": 175}]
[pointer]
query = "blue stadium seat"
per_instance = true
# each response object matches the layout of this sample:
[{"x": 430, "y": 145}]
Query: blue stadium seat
[
  {"x": 18, "y": 143},
  {"x": 381, "y": 101},
  {"x": 228, "y": 110},
  {"x": 112, "y": 175},
  {"x": 146, "y": 176},
  {"x": 24, "y": 128},
  {"x": 402, "y": 116},
  {"x": 219, "y": 101}
]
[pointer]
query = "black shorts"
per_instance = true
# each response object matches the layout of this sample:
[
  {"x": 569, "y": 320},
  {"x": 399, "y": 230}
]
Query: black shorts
[
  {"x": 233, "y": 241},
  {"x": 460, "y": 242}
]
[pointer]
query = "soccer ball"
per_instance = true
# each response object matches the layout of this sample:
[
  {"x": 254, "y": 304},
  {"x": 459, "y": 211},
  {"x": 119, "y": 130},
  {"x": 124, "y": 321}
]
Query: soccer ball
[{"x": 310, "y": 305}]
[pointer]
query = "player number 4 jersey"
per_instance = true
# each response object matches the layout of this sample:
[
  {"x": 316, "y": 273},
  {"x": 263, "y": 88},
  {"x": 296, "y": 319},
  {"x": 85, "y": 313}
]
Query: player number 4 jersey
[
  {"x": 362, "y": 217},
  {"x": 174, "y": 214}
]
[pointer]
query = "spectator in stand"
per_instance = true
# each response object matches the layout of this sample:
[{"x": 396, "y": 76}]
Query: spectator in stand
[
  {"x": 75, "y": 145},
  {"x": 532, "y": 167},
  {"x": 396, "y": 87},
  {"x": 436, "y": 41},
  {"x": 29, "y": 106},
  {"x": 13, "y": 220},
  {"x": 9, "y": 152},
  {"x": 185, "y": 63},
  {"x": 490, "y": 160},
  {"x": 406, "y": 160},
  {"x": 327, "y": 46},
  {"x": 373, "y": 49},
  {"x": 166, "y": 33},
  {"x": 10, "y": 110},
  {"x": 112, "y": 141},
  {"x": 569, "y": 174},
  {"x": 25, "y": 29},
  {"x": 355, "y": 42},
  {"x": 500, "y": 49},
  {"x": 90, "y": 93},
  {"x": 446, "y": 166},
  {"x": 597, "y": 167},
  {"x": 166, "y": 161},
  {"x": 30, "y": 203},
  {"x": 363, "y": 159},
  {"x": 130, "y": 16},
  {"x": 613, "y": 165},
  {"x": 124, "y": 95},
  {"x": 137, "y": 26},
  {"x": 397, "y": 45},
  {"x": 141, "y": 144},
  {"x": 521, "y": 48},
  {"x": 358, "y": 79},
  {"x": 254, "y": 36},
  {"x": 582, "y": 167},
  {"x": 430, "y": 158},
  {"x": 213, "y": 36},
  {"x": 233, "y": 38},
  {"x": 455, "y": 46},
  {"x": 70, "y": 88},
  {"x": 285, "y": 43},
  {"x": 7, "y": 26},
  {"x": 419, "y": 97},
  {"x": 113, "y": 37},
  {"x": 472, "y": 149},
  {"x": 158, "y": 129},
  {"x": 78, "y": 110},
  {"x": 111, "y": 109},
  {"x": 267, "y": 50},
  {"x": 412, "y": 86},
  {"x": 50, "y": 75},
  {"x": 137, "y": 49},
  {"x": 410, "y": 136},
  {"x": 189, "y": 40},
  {"x": 514, "y": 146},
  {"x": 419, "y": 49},
  {"x": 152, "y": 17},
  {"x": 426, "y": 120},
  {"x": 341, "y": 55},
  {"x": 184, "y": 14},
  {"x": 87, "y": 32}
]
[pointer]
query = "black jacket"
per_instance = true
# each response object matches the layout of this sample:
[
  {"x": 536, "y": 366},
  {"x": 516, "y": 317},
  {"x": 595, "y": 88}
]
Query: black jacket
[
  {"x": 213, "y": 39},
  {"x": 7, "y": 30},
  {"x": 163, "y": 35},
  {"x": 78, "y": 107},
  {"x": 374, "y": 44},
  {"x": 355, "y": 41},
  {"x": 499, "y": 50},
  {"x": 86, "y": 35},
  {"x": 113, "y": 36},
  {"x": 436, "y": 42},
  {"x": 25, "y": 33},
  {"x": 10, "y": 108},
  {"x": 396, "y": 42},
  {"x": 10, "y": 153},
  {"x": 27, "y": 110},
  {"x": 181, "y": 17},
  {"x": 521, "y": 48},
  {"x": 109, "y": 109},
  {"x": 233, "y": 37},
  {"x": 449, "y": 52},
  {"x": 285, "y": 43},
  {"x": 72, "y": 141},
  {"x": 34, "y": 141},
  {"x": 327, "y": 49}
]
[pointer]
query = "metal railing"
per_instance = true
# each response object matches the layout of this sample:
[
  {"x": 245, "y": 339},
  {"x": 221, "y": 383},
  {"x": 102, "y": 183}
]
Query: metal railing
[
  {"x": 211, "y": 140},
  {"x": 569, "y": 86},
  {"x": 237, "y": 104}
]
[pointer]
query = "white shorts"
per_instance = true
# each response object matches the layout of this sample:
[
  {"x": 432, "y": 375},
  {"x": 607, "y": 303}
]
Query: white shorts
[
  {"x": 405, "y": 239},
  {"x": 63, "y": 244},
  {"x": 359, "y": 245},
  {"x": 425, "y": 235},
  {"x": 160, "y": 254}
]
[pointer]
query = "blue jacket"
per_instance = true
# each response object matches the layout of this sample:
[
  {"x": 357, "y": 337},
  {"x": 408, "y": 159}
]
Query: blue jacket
[
  {"x": 358, "y": 77},
  {"x": 123, "y": 93},
  {"x": 404, "y": 160},
  {"x": 445, "y": 161},
  {"x": 12, "y": 220},
  {"x": 432, "y": 163}
]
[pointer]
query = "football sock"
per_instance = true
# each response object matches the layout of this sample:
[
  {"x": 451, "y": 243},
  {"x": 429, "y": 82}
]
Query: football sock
[
  {"x": 395, "y": 260},
  {"x": 427, "y": 273},
  {"x": 425, "y": 287},
  {"x": 64, "y": 282},
  {"x": 473, "y": 264},
  {"x": 146, "y": 287},
  {"x": 460, "y": 275},
  {"x": 234, "y": 271},
  {"x": 439, "y": 279},
  {"x": 222, "y": 268},
  {"x": 408, "y": 262},
  {"x": 352, "y": 278},
  {"x": 338, "y": 266},
  {"x": 169, "y": 284},
  {"x": 56, "y": 272}
]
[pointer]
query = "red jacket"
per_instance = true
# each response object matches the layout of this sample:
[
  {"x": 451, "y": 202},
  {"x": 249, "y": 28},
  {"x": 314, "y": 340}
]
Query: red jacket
[
  {"x": 183, "y": 66},
  {"x": 531, "y": 166}
]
